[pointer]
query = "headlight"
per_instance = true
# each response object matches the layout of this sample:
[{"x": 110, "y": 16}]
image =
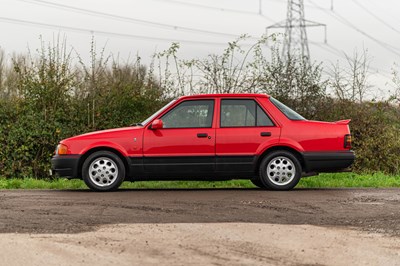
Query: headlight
[{"x": 61, "y": 149}]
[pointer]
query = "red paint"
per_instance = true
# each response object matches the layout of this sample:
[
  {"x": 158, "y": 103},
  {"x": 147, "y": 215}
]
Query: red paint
[{"x": 143, "y": 141}]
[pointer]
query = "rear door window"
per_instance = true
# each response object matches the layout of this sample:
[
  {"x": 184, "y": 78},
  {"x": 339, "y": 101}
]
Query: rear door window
[{"x": 243, "y": 113}]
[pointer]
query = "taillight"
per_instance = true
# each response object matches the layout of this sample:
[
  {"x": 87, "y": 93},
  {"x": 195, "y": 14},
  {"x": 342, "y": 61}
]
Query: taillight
[{"x": 347, "y": 141}]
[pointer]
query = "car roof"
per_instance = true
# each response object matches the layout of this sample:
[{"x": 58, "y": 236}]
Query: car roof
[{"x": 225, "y": 95}]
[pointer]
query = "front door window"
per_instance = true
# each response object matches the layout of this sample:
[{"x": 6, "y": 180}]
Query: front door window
[{"x": 190, "y": 114}]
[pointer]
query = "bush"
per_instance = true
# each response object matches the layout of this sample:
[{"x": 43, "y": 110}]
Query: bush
[
  {"x": 45, "y": 98},
  {"x": 55, "y": 100},
  {"x": 375, "y": 128}
]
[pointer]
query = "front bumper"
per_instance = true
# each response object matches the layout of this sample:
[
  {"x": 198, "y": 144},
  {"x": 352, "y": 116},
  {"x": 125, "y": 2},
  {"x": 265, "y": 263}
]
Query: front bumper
[
  {"x": 328, "y": 161},
  {"x": 65, "y": 165}
]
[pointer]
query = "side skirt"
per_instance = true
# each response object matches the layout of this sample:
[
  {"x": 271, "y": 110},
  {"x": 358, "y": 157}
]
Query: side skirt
[{"x": 192, "y": 168}]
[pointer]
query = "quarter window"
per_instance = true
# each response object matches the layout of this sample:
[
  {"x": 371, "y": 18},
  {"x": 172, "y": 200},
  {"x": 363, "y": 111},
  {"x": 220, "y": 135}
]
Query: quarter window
[
  {"x": 243, "y": 113},
  {"x": 190, "y": 114}
]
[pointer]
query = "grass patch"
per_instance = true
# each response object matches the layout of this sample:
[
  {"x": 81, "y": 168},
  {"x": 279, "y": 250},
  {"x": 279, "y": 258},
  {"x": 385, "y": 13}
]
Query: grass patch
[
  {"x": 32, "y": 183},
  {"x": 377, "y": 180}
]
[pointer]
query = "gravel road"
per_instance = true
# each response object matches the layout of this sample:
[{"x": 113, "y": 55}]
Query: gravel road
[{"x": 207, "y": 226}]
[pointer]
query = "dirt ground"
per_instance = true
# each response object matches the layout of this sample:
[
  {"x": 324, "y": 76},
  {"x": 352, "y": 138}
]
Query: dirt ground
[{"x": 201, "y": 227}]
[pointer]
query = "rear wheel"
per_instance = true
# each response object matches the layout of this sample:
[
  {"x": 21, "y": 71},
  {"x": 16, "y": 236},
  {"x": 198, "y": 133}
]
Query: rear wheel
[
  {"x": 280, "y": 170},
  {"x": 103, "y": 171}
]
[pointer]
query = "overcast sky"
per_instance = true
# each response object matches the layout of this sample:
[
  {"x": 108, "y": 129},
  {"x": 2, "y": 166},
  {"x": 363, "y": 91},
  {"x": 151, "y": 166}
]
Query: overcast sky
[{"x": 352, "y": 25}]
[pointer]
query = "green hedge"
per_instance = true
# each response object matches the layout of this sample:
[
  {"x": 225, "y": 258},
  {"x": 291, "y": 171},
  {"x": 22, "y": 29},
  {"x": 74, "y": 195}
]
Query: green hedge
[{"x": 44, "y": 99}]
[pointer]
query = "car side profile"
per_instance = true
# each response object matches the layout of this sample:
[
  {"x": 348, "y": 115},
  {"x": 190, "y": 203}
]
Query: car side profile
[{"x": 209, "y": 137}]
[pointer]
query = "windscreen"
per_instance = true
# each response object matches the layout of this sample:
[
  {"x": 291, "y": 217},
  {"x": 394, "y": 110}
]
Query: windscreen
[{"x": 157, "y": 113}]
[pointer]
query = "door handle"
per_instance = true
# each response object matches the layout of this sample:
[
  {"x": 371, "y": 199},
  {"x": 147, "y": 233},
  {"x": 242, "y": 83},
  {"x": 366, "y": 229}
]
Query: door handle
[
  {"x": 202, "y": 135},
  {"x": 265, "y": 134}
]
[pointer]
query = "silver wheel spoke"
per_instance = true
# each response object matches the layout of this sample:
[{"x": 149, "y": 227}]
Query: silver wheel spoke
[
  {"x": 281, "y": 170},
  {"x": 103, "y": 171}
]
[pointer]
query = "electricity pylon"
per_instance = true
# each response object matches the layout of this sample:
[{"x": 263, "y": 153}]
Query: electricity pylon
[{"x": 295, "y": 42}]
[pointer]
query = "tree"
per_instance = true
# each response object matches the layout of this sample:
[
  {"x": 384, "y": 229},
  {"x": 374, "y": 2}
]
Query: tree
[{"x": 351, "y": 83}]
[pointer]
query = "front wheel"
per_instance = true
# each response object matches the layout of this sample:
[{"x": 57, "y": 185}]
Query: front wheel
[
  {"x": 280, "y": 170},
  {"x": 103, "y": 171}
]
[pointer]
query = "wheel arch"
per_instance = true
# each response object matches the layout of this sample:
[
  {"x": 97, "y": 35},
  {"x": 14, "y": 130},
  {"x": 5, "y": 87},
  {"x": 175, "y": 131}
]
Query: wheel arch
[
  {"x": 102, "y": 148},
  {"x": 295, "y": 152}
]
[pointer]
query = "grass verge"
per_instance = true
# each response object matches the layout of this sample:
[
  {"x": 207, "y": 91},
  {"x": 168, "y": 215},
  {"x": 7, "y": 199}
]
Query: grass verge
[{"x": 377, "y": 180}]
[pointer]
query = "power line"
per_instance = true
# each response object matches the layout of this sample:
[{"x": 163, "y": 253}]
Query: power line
[
  {"x": 127, "y": 19},
  {"x": 208, "y": 7},
  {"x": 342, "y": 54},
  {"x": 328, "y": 48},
  {"x": 106, "y": 33},
  {"x": 383, "y": 44},
  {"x": 376, "y": 4},
  {"x": 215, "y": 8},
  {"x": 346, "y": 22},
  {"x": 375, "y": 16}
]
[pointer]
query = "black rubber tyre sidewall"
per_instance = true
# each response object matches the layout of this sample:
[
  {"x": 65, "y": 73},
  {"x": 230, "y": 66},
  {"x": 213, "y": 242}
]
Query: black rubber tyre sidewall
[
  {"x": 265, "y": 180},
  {"x": 257, "y": 182},
  {"x": 115, "y": 158}
]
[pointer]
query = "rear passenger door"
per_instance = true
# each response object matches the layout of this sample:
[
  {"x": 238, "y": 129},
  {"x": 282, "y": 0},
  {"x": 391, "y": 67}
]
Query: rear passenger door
[{"x": 244, "y": 126}]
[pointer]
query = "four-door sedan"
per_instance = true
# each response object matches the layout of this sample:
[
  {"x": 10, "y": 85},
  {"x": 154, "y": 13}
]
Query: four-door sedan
[{"x": 209, "y": 137}]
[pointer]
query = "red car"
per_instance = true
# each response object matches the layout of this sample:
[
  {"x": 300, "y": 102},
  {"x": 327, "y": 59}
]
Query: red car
[{"x": 209, "y": 137}]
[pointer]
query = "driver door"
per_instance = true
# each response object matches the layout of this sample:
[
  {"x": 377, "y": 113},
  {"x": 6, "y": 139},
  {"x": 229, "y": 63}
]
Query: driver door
[{"x": 185, "y": 146}]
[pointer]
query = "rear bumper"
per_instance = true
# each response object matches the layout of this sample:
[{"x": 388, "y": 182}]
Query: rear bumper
[
  {"x": 65, "y": 165},
  {"x": 328, "y": 161}
]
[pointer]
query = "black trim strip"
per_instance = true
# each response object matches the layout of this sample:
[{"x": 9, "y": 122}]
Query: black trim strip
[
  {"x": 235, "y": 164},
  {"x": 328, "y": 161},
  {"x": 179, "y": 165},
  {"x": 200, "y": 166}
]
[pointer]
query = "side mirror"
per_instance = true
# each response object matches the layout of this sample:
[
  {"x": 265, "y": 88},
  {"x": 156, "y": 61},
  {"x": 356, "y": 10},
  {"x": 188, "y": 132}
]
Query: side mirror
[{"x": 157, "y": 124}]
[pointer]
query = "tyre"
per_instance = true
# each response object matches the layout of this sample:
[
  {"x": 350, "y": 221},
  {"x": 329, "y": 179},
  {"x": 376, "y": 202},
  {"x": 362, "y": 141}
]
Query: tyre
[
  {"x": 103, "y": 171},
  {"x": 257, "y": 182},
  {"x": 280, "y": 170}
]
